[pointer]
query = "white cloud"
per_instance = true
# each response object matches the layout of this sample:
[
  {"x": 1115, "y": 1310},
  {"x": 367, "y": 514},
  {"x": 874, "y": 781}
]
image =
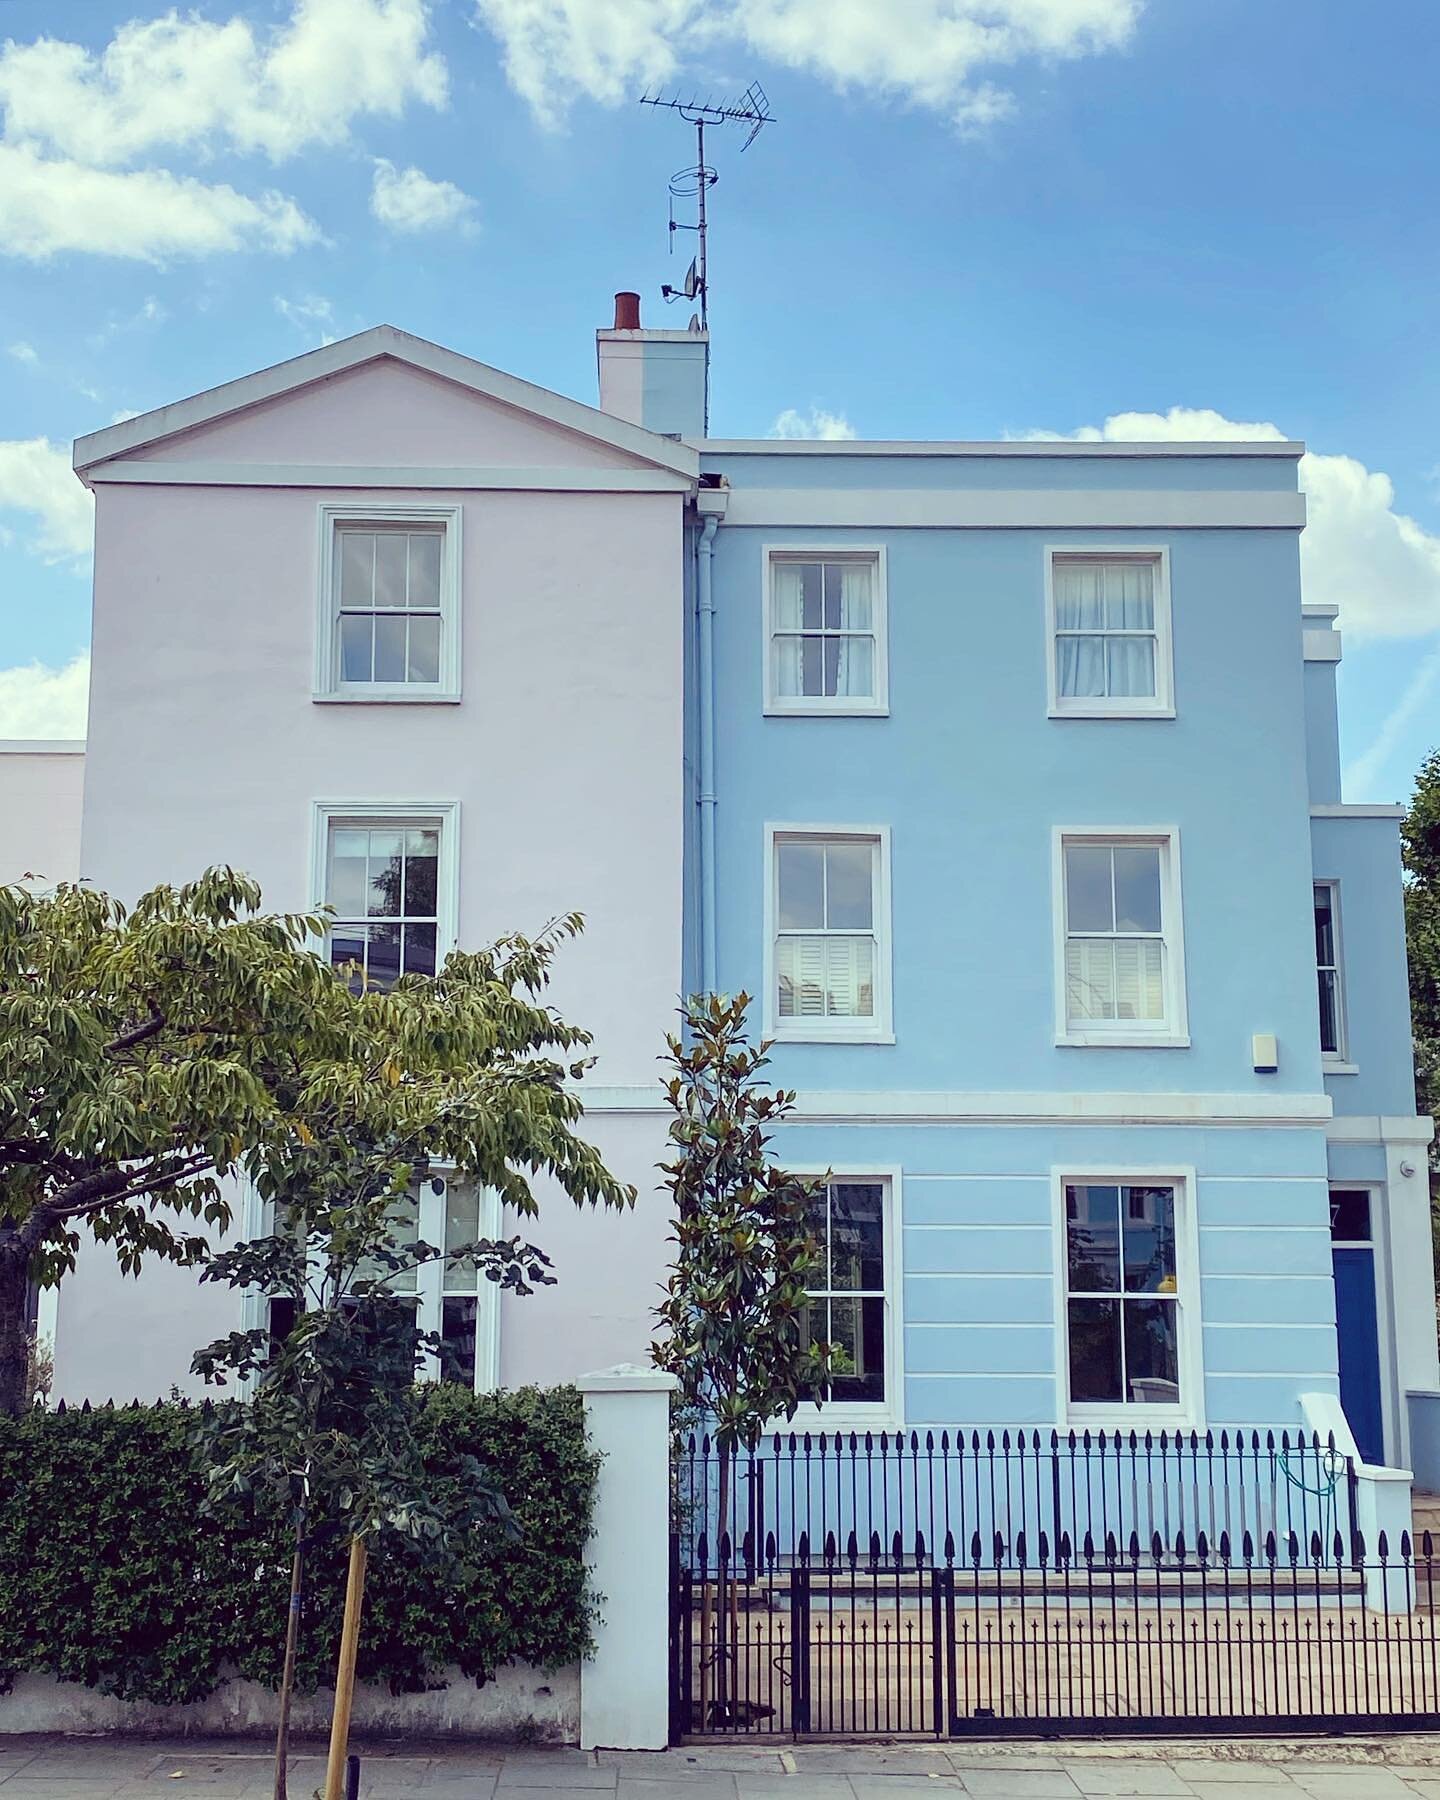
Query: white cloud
[
  {"x": 408, "y": 200},
  {"x": 931, "y": 53},
  {"x": 310, "y": 313},
  {"x": 24, "y": 353},
  {"x": 36, "y": 478},
  {"x": 47, "y": 208},
  {"x": 817, "y": 423},
  {"x": 37, "y": 701},
  {"x": 1376, "y": 564},
  {"x": 76, "y": 121}
]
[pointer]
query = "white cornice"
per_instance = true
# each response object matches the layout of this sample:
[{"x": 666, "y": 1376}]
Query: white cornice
[
  {"x": 1289, "y": 449},
  {"x": 1355, "y": 810},
  {"x": 1384, "y": 1128},
  {"x": 544, "y": 479},
  {"x": 901, "y": 1107},
  {"x": 42, "y": 746},
  {"x": 353, "y": 353},
  {"x": 1067, "y": 509}
]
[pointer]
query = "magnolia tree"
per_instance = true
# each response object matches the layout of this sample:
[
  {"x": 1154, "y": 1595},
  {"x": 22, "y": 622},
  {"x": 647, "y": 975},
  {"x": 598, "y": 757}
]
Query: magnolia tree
[
  {"x": 1420, "y": 840},
  {"x": 735, "y": 1311},
  {"x": 143, "y": 1053}
]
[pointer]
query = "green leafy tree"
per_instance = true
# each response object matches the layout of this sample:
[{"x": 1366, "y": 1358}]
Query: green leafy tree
[
  {"x": 141, "y": 1054},
  {"x": 466, "y": 1069},
  {"x": 1420, "y": 842},
  {"x": 735, "y": 1311}
]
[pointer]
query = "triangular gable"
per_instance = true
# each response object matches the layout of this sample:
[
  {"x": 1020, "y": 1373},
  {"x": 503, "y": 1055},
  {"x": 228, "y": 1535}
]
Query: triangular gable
[{"x": 382, "y": 397}]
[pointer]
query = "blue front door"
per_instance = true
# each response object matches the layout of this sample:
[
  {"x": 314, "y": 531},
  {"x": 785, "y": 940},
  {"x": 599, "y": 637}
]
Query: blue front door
[{"x": 1355, "y": 1319}]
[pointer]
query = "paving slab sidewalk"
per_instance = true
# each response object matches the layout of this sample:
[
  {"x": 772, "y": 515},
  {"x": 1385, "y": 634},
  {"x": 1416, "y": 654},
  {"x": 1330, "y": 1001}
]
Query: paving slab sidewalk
[{"x": 49, "y": 1768}]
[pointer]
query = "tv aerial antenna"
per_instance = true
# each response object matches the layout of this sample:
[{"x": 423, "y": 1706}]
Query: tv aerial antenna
[{"x": 752, "y": 109}]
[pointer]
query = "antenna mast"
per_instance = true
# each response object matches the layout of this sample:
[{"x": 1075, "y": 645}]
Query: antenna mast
[{"x": 752, "y": 109}]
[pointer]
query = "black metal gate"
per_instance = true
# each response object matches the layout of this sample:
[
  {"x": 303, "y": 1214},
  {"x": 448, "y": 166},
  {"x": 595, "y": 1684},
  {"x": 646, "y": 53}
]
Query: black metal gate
[{"x": 1018, "y": 1585}]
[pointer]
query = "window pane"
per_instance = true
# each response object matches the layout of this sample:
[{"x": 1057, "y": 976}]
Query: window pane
[
  {"x": 802, "y": 884},
  {"x": 787, "y": 654},
  {"x": 419, "y": 949},
  {"x": 1130, "y": 596},
  {"x": 1088, "y": 904},
  {"x": 1148, "y": 1221},
  {"x": 1080, "y": 667},
  {"x": 789, "y": 613},
  {"x": 817, "y": 1217},
  {"x": 1329, "y": 1012},
  {"x": 389, "y": 647},
  {"x": 856, "y": 582},
  {"x": 857, "y": 1240},
  {"x": 857, "y": 1330},
  {"x": 357, "y": 641},
  {"x": 1139, "y": 979},
  {"x": 462, "y": 1226},
  {"x": 459, "y": 1321},
  {"x": 387, "y": 864},
  {"x": 849, "y": 890},
  {"x": 345, "y": 884},
  {"x": 423, "y": 658},
  {"x": 1137, "y": 888},
  {"x": 1094, "y": 1350},
  {"x": 825, "y": 977},
  {"x": 1152, "y": 1352},
  {"x": 1324, "y": 928},
  {"x": 422, "y": 862},
  {"x": 814, "y": 1325},
  {"x": 833, "y": 575},
  {"x": 1090, "y": 978},
  {"x": 1079, "y": 596},
  {"x": 812, "y": 665},
  {"x": 849, "y": 667},
  {"x": 1092, "y": 1233},
  {"x": 357, "y": 568},
  {"x": 390, "y": 560},
  {"x": 424, "y": 569},
  {"x": 812, "y": 614},
  {"x": 384, "y": 963},
  {"x": 1349, "y": 1216},
  {"x": 347, "y": 945},
  {"x": 1130, "y": 667},
  {"x": 405, "y": 1234}
]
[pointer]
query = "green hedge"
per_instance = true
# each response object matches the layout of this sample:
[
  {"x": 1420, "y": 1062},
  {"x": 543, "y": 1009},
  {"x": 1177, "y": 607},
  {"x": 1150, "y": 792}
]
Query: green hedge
[{"x": 112, "y": 1574}]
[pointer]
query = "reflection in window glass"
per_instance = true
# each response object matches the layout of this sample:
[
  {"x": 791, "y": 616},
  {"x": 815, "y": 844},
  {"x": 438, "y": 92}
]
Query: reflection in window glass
[
  {"x": 1123, "y": 1304},
  {"x": 383, "y": 883},
  {"x": 846, "y": 1306}
]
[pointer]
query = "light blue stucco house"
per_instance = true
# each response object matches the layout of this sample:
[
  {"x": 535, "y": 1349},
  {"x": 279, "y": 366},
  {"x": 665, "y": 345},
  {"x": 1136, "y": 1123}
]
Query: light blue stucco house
[{"x": 1017, "y": 808}]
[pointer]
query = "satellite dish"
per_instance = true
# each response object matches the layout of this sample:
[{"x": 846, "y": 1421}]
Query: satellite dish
[{"x": 692, "y": 283}]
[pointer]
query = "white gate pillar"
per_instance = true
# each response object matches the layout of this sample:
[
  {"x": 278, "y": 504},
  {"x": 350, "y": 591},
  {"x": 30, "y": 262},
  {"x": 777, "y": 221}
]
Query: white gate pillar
[{"x": 625, "y": 1683}]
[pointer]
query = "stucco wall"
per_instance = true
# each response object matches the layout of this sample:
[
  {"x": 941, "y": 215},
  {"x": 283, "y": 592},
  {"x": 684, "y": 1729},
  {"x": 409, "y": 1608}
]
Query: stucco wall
[
  {"x": 40, "y": 797},
  {"x": 564, "y": 754}
]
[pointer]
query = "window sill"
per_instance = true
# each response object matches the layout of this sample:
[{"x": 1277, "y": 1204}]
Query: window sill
[
  {"x": 1094, "y": 1040},
  {"x": 1335, "y": 1066},
  {"x": 1132, "y": 1418},
  {"x": 867, "y": 709},
  {"x": 388, "y": 697},
  {"x": 837, "y": 1420},
  {"x": 778, "y": 1034},
  {"x": 1111, "y": 712}
]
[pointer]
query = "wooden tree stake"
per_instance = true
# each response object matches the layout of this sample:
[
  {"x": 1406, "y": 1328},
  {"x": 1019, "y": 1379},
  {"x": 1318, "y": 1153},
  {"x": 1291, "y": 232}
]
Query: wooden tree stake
[{"x": 345, "y": 1672}]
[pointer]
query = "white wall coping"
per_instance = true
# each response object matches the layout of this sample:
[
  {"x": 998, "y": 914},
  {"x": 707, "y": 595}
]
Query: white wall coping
[
  {"x": 1290, "y": 448},
  {"x": 1354, "y": 809},
  {"x": 1379, "y": 1128},
  {"x": 627, "y": 1378},
  {"x": 42, "y": 746}
]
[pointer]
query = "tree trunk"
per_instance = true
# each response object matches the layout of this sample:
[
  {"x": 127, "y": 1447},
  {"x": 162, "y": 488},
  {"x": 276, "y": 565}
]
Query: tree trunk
[
  {"x": 287, "y": 1673},
  {"x": 14, "y": 1337},
  {"x": 723, "y": 1559}
]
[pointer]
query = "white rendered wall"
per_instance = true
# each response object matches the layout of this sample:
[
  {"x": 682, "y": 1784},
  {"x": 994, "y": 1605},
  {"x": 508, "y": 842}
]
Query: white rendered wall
[
  {"x": 564, "y": 754},
  {"x": 41, "y": 783}
]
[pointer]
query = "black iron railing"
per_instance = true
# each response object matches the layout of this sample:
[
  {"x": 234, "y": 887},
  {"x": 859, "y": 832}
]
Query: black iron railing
[
  {"x": 1030, "y": 1637},
  {"x": 1011, "y": 1486}
]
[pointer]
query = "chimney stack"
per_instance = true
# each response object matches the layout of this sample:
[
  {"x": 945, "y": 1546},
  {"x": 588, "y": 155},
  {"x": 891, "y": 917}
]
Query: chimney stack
[{"x": 657, "y": 379}]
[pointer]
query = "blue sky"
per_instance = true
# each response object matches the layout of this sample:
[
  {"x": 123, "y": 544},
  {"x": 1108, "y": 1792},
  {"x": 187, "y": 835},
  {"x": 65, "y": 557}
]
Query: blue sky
[{"x": 971, "y": 219}]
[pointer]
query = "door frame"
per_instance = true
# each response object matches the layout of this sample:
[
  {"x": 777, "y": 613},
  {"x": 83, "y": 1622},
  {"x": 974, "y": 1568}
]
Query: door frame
[{"x": 1378, "y": 1244}]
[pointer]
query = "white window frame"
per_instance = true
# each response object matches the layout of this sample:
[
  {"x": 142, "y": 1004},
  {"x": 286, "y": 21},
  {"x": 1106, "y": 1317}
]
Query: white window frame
[
  {"x": 870, "y": 1415},
  {"x": 833, "y": 706},
  {"x": 1119, "y": 706},
  {"x": 328, "y": 686},
  {"x": 429, "y": 1278},
  {"x": 878, "y": 1029},
  {"x": 443, "y": 815},
  {"x": 1337, "y": 1061},
  {"x": 1189, "y": 1415},
  {"x": 1171, "y": 1032}
]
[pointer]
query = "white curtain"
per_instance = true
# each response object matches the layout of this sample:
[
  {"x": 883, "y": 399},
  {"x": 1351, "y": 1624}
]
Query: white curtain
[
  {"x": 817, "y": 656},
  {"x": 1106, "y": 600}
]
